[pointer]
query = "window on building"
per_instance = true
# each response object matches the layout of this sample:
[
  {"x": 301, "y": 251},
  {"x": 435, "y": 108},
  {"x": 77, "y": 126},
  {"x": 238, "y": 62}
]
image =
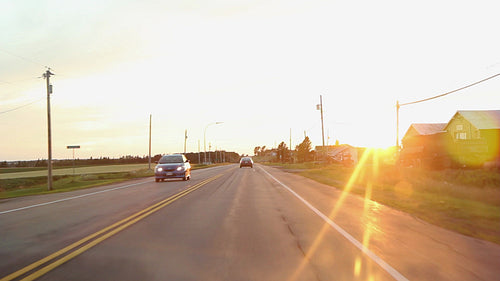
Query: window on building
[{"x": 460, "y": 127}]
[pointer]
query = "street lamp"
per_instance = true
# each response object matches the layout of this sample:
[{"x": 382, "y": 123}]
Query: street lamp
[{"x": 205, "y": 138}]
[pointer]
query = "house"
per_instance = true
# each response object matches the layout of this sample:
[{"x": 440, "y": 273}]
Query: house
[
  {"x": 470, "y": 138},
  {"x": 424, "y": 144},
  {"x": 343, "y": 153},
  {"x": 475, "y": 135},
  {"x": 474, "y": 124},
  {"x": 427, "y": 129}
]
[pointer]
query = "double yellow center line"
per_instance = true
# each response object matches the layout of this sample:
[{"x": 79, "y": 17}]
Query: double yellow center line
[{"x": 90, "y": 241}]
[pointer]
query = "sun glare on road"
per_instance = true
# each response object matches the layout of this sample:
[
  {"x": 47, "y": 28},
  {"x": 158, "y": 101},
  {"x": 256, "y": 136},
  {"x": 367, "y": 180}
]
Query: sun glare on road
[{"x": 361, "y": 171}]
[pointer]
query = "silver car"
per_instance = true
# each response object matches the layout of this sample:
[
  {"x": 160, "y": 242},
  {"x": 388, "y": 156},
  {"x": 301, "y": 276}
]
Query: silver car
[{"x": 173, "y": 166}]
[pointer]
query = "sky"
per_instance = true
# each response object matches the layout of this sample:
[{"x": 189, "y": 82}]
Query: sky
[{"x": 259, "y": 67}]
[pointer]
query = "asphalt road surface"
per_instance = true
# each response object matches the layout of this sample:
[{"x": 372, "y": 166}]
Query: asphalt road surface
[{"x": 229, "y": 223}]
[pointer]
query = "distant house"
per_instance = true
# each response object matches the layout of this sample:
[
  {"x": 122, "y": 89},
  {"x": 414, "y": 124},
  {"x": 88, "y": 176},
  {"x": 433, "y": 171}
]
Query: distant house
[
  {"x": 475, "y": 135},
  {"x": 424, "y": 144},
  {"x": 344, "y": 153}
]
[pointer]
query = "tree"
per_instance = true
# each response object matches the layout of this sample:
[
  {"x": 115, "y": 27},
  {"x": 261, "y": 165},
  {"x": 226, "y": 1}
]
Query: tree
[
  {"x": 282, "y": 153},
  {"x": 263, "y": 150},
  {"x": 256, "y": 150},
  {"x": 304, "y": 150}
]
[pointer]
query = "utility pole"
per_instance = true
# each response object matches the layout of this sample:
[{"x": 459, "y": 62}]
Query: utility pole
[
  {"x": 397, "y": 123},
  {"x": 149, "y": 160},
  {"x": 47, "y": 75},
  {"x": 322, "y": 126},
  {"x": 320, "y": 107}
]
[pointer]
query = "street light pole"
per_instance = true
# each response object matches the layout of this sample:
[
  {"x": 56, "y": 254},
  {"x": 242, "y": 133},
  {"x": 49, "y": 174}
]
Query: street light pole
[
  {"x": 205, "y": 139},
  {"x": 185, "y": 139},
  {"x": 199, "y": 160},
  {"x": 149, "y": 158}
]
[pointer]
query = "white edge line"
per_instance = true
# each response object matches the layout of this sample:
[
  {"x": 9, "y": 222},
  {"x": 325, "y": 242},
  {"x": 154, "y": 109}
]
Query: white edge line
[
  {"x": 76, "y": 197},
  {"x": 70, "y": 198},
  {"x": 389, "y": 269}
]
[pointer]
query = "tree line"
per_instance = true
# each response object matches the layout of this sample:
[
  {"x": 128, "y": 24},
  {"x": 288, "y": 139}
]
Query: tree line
[
  {"x": 214, "y": 156},
  {"x": 302, "y": 153}
]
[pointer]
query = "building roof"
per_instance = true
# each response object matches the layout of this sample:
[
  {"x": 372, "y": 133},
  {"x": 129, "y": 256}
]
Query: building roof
[
  {"x": 424, "y": 129},
  {"x": 481, "y": 119},
  {"x": 337, "y": 149},
  {"x": 428, "y": 128}
]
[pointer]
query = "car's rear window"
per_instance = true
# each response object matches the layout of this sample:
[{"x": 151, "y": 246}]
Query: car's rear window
[{"x": 171, "y": 159}]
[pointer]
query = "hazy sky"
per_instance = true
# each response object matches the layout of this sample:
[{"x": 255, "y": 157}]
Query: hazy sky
[{"x": 257, "y": 66}]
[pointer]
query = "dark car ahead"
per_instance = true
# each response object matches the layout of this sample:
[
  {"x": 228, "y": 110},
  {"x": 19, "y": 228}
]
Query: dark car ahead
[
  {"x": 173, "y": 166},
  {"x": 246, "y": 162}
]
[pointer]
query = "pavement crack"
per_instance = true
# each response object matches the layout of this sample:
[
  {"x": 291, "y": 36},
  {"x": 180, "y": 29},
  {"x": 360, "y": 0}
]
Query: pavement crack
[{"x": 299, "y": 246}]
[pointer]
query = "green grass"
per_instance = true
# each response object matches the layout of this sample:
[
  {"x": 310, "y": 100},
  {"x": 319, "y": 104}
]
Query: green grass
[
  {"x": 35, "y": 172},
  {"x": 16, "y": 187},
  {"x": 18, "y": 170},
  {"x": 465, "y": 201}
]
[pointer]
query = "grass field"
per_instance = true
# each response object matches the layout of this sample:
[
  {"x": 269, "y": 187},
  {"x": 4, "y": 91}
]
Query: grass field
[
  {"x": 40, "y": 172},
  {"x": 465, "y": 201},
  {"x": 21, "y": 183},
  {"x": 16, "y": 187}
]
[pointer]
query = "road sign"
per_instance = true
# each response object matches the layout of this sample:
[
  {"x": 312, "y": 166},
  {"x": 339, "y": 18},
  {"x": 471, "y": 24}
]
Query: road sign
[{"x": 73, "y": 147}]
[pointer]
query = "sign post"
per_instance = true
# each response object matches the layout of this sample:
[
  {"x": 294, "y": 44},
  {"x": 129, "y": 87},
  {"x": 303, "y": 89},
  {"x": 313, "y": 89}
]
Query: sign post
[{"x": 73, "y": 147}]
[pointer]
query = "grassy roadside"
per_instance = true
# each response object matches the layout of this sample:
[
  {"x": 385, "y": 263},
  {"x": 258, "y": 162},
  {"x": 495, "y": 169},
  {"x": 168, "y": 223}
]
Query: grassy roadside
[
  {"x": 10, "y": 173},
  {"x": 464, "y": 201},
  {"x": 17, "y": 170},
  {"x": 15, "y": 187}
]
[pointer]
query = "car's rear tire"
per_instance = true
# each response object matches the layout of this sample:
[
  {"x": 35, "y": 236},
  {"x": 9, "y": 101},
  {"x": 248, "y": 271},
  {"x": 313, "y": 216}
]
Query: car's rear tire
[{"x": 157, "y": 180}]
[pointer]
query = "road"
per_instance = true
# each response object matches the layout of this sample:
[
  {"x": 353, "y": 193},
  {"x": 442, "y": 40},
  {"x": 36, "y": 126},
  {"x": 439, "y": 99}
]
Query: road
[{"x": 229, "y": 223}]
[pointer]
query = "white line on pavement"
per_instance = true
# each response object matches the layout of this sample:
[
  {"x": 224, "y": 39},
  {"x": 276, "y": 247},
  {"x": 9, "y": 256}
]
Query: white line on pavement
[
  {"x": 389, "y": 269},
  {"x": 71, "y": 198}
]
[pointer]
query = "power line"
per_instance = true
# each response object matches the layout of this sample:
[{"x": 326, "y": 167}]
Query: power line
[
  {"x": 18, "y": 81},
  {"x": 19, "y": 107},
  {"x": 23, "y": 58},
  {"x": 398, "y": 105},
  {"x": 451, "y": 92}
]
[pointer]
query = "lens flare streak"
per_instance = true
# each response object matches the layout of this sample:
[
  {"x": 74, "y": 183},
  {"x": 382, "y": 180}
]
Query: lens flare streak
[{"x": 371, "y": 226}]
